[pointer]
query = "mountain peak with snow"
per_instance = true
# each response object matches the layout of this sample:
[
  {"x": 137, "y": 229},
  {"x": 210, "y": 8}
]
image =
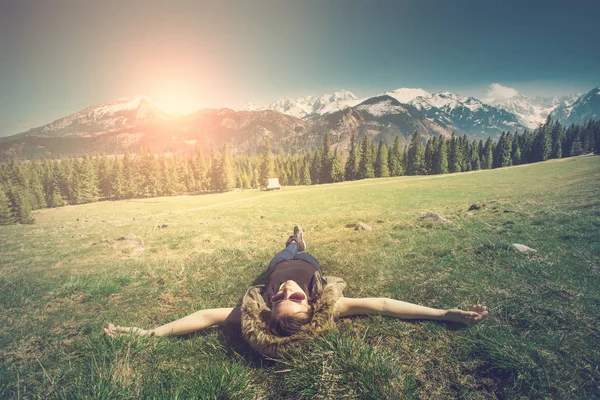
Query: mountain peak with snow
[
  {"x": 314, "y": 105},
  {"x": 112, "y": 116},
  {"x": 583, "y": 109},
  {"x": 406, "y": 95},
  {"x": 533, "y": 111}
]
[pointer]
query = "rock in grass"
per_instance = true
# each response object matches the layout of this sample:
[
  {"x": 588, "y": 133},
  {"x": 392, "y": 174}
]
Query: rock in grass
[
  {"x": 510, "y": 211},
  {"x": 130, "y": 246},
  {"x": 524, "y": 249},
  {"x": 129, "y": 236},
  {"x": 474, "y": 207},
  {"x": 433, "y": 217},
  {"x": 359, "y": 226}
]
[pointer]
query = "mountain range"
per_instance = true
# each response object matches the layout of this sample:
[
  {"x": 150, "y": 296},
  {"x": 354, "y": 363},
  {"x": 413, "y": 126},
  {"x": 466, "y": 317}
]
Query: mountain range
[{"x": 131, "y": 124}]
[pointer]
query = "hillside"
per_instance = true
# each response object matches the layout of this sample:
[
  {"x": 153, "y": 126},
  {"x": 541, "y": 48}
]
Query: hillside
[{"x": 66, "y": 276}]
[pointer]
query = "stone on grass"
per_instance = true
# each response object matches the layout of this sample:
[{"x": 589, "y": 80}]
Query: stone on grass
[
  {"x": 524, "y": 249},
  {"x": 433, "y": 217},
  {"x": 510, "y": 211},
  {"x": 129, "y": 244},
  {"x": 474, "y": 207},
  {"x": 359, "y": 226},
  {"x": 129, "y": 236}
]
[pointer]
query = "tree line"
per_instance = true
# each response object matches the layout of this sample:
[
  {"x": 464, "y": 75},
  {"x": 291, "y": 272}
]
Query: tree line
[{"x": 35, "y": 184}]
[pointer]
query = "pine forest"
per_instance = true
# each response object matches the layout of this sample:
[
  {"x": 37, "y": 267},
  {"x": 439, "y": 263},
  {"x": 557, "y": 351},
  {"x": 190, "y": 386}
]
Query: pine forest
[{"x": 33, "y": 184}]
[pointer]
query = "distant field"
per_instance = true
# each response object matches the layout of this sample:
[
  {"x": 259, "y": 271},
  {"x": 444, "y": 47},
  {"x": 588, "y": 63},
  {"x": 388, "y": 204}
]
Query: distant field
[{"x": 63, "y": 278}]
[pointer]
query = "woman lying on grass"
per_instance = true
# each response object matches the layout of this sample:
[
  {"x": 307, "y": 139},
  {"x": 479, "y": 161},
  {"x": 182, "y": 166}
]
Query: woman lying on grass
[{"x": 295, "y": 305}]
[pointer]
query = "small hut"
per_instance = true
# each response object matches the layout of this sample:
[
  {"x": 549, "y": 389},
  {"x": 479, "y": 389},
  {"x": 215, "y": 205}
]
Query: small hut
[{"x": 273, "y": 184}]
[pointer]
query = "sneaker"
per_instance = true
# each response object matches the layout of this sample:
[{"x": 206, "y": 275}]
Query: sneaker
[{"x": 299, "y": 234}]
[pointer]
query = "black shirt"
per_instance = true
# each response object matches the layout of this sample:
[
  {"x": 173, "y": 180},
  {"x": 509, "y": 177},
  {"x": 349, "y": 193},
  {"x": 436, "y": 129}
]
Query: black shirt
[{"x": 300, "y": 271}]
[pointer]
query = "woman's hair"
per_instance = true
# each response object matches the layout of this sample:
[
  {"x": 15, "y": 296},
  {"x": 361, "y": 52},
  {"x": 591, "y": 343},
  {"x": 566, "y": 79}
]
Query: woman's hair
[{"x": 288, "y": 325}]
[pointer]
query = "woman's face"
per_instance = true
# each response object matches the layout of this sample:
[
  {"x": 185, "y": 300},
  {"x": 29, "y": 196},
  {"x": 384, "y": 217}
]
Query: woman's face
[{"x": 290, "y": 299}]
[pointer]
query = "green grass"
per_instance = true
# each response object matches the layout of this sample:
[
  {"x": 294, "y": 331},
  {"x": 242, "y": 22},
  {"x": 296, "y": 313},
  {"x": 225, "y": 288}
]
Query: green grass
[{"x": 63, "y": 278}]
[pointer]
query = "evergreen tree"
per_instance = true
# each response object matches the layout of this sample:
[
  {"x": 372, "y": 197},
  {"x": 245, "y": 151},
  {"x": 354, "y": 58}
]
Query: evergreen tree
[
  {"x": 365, "y": 168},
  {"x": 74, "y": 182},
  {"x": 597, "y": 138},
  {"x": 255, "y": 180},
  {"x": 6, "y": 215},
  {"x": 226, "y": 179},
  {"x": 395, "y": 158},
  {"x": 381, "y": 162},
  {"x": 429, "y": 156},
  {"x": 105, "y": 177},
  {"x": 453, "y": 154},
  {"x": 326, "y": 175},
  {"x": 315, "y": 167},
  {"x": 352, "y": 165},
  {"x": 149, "y": 175},
  {"x": 463, "y": 154},
  {"x": 502, "y": 151},
  {"x": 516, "y": 152},
  {"x": 59, "y": 186},
  {"x": 129, "y": 177},
  {"x": 416, "y": 156},
  {"x": 215, "y": 173},
  {"x": 557, "y": 138},
  {"x": 488, "y": 154},
  {"x": 373, "y": 150},
  {"x": 36, "y": 190},
  {"x": 337, "y": 172},
  {"x": 56, "y": 200},
  {"x": 267, "y": 167},
  {"x": 557, "y": 150},
  {"x": 117, "y": 188},
  {"x": 88, "y": 180},
  {"x": 576, "y": 148},
  {"x": 475, "y": 160},
  {"x": 305, "y": 173},
  {"x": 542, "y": 144},
  {"x": 440, "y": 157},
  {"x": 19, "y": 205}
]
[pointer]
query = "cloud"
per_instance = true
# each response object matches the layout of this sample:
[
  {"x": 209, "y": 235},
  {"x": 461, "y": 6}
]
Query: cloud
[{"x": 497, "y": 93}]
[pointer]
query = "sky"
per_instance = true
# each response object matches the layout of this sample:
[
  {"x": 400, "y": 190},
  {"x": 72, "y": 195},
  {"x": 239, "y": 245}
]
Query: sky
[{"x": 58, "y": 57}]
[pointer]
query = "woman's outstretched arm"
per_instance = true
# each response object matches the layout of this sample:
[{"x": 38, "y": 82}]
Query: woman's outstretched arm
[
  {"x": 400, "y": 309},
  {"x": 188, "y": 324}
]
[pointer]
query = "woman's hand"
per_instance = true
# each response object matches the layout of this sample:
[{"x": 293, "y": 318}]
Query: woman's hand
[
  {"x": 113, "y": 331},
  {"x": 477, "y": 313}
]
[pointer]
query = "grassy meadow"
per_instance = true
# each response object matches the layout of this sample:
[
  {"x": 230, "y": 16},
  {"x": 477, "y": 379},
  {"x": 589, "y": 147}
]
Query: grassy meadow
[{"x": 64, "y": 278}]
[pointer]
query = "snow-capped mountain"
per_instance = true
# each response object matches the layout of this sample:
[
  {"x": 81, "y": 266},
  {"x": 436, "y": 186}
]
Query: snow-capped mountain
[
  {"x": 402, "y": 95},
  {"x": 130, "y": 124},
  {"x": 382, "y": 117},
  {"x": 382, "y": 105},
  {"x": 290, "y": 107},
  {"x": 309, "y": 106},
  {"x": 533, "y": 111},
  {"x": 453, "y": 111},
  {"x": 406, "y": 95},
  {"x": 466, "y": 114},
  {"x": 113, "y": 116},
  {"x": 585, "y": 108}
]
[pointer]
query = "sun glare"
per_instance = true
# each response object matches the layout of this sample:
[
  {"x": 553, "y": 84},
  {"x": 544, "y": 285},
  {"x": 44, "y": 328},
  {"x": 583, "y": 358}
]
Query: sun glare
[{"x": 178, "y": 100}]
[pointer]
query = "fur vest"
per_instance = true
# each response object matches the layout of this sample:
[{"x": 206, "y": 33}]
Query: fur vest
[{"x": 255, "y": 317}]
